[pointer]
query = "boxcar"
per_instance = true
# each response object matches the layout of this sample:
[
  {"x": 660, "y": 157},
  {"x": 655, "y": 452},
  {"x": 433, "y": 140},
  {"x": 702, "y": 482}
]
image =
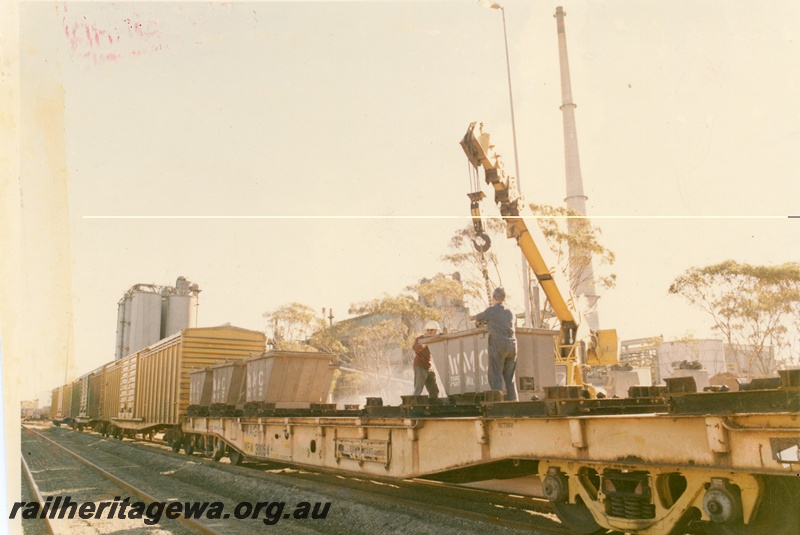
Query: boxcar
[{"x": 148, "y": 391}]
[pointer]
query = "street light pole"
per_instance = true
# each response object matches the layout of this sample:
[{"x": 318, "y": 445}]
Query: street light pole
[
  {"x": 526, "y": 281},
  {"x": 510, "y": 95}
]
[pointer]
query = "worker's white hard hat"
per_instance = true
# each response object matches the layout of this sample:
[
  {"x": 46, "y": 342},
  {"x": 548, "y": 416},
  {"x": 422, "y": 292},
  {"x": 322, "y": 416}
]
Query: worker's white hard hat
[{"x": 432, "y": 326}]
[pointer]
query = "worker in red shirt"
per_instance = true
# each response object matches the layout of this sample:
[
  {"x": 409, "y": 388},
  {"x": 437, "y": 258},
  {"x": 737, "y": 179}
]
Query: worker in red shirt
[{"x": 423, "y": 372}]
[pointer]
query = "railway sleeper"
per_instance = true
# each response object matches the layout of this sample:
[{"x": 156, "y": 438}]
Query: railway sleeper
[{"x": 592, "y": 498}]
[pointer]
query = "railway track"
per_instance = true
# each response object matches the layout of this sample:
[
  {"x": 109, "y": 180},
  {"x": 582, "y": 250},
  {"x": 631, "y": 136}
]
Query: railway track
[
  {"x": 95, "y": 485},
  {"x": 31, "y": 493},
  {"x": 359, "y": 504}
]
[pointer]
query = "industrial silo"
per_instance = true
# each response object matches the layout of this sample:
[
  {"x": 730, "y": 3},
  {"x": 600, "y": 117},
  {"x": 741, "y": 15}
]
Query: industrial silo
[
  {"x": 179, "y": 307},
  {"x": 145, "y": 317}
]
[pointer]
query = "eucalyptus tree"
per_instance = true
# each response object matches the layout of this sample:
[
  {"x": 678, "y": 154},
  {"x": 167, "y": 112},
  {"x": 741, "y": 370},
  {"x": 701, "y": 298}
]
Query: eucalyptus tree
[{"x": 751, "y": 306}]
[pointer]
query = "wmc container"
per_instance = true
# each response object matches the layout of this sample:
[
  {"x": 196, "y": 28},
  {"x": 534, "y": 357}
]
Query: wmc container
[
  {"x": 228, "y": 383},
  {"x": 200, "y": 385},
  {"x": 462, "y": 361},
  {"x": 289, "y": 376}
]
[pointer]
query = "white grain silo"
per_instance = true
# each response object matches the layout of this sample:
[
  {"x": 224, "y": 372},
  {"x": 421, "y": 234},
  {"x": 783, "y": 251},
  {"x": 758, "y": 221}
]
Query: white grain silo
[
  {"x": 145, "y": 316},
  {"x": 179, "y": 307}
]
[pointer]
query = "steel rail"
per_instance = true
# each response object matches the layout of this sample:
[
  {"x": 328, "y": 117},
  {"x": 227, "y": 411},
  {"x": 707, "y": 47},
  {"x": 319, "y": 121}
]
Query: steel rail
[
  {"x": 36, "y": 492},
  {"x": 200, "y": 528},
  {"x": 538, "y": 505}
]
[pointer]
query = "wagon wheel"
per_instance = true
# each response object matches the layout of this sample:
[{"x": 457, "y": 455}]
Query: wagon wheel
[
  {"x": 219, "y": 450},
  {"x": 577, "y": 518},
  {"x": 188, "y": 445},
  {"x": 236, "y": 457},
  {"x": 775, "y": 515},
  {"x": 177, "y": 440}
]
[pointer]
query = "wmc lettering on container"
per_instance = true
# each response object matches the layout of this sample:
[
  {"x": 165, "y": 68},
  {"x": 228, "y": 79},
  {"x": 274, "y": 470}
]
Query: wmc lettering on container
[
  {"x": 462, "y": 359},
  {"x": 462, "y": 368}
]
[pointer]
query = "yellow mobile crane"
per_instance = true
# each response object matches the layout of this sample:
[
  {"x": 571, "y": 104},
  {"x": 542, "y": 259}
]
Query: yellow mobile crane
[{"x": 602, "y": 345}]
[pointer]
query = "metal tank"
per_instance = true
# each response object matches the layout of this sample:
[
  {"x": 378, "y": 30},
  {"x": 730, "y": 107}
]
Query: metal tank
[
  {"x": 178, "y": 313},
  {"x": 462, "y": 361},
  {"x": 179, "y": 310},
  {"x": 145, "y": 323}
]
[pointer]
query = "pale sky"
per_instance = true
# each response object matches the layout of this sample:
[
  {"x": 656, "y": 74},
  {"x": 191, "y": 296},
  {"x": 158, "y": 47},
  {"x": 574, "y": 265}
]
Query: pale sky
[{"x": 344, "y": 119}]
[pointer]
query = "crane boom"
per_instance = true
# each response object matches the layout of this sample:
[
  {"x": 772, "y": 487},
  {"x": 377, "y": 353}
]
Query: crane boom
[{"x": 602, "y": 345}]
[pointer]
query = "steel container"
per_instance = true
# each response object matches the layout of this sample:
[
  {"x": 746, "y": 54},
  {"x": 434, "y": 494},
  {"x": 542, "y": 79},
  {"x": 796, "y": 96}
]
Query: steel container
[
  {"x": 154, "y": 383},
  {"x": 461, "y": 361},
  {"x": 229, "y": 383},
  {"x": 289, "y": 376},
  {"x": 200, "y": 384}
]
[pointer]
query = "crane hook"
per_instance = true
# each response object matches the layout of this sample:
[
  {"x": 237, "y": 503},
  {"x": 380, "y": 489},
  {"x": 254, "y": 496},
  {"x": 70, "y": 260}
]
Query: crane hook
[{"x": 481, "y": 242}]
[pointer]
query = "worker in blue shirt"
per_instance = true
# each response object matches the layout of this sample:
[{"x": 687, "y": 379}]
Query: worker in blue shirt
[{"x": 502, "y": 344}]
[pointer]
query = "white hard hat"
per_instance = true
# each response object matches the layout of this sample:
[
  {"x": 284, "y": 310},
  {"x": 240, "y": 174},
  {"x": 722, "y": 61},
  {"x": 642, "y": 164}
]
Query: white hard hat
[{"x": 432, "y": 325}]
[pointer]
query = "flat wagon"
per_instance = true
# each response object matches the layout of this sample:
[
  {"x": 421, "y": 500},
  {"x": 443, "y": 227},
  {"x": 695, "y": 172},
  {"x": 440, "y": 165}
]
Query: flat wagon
[{"x": 662, "y": 461}]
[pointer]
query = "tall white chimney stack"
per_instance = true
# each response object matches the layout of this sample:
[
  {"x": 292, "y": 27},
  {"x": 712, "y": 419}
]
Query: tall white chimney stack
[{"x": 580, "y": 262}]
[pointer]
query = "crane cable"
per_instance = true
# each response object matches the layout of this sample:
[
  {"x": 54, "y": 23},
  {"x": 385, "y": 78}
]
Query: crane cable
[
  {"x": 485, "y": 271},
  {"x": 481, "y": 241}
]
